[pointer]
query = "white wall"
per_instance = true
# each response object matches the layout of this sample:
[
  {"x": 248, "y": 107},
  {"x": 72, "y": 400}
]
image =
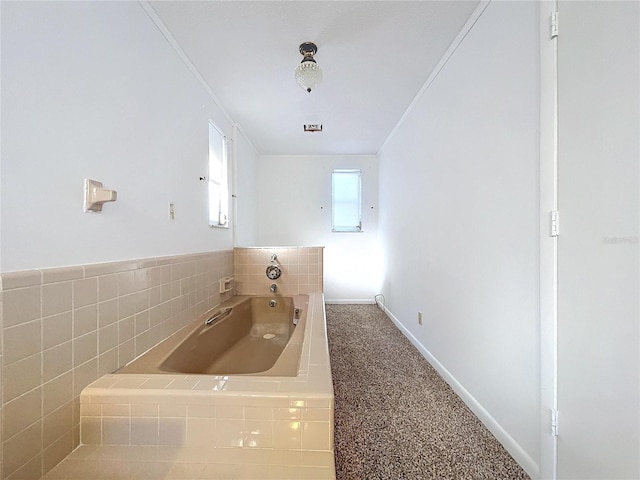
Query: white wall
[
  {"x": 598, "y": 298},
  {"x": 245, "y": 200},
  {"x": 93, "y": 90},
  {"x": 459, "y": 223},
  {"x": 295, "y": 209}
]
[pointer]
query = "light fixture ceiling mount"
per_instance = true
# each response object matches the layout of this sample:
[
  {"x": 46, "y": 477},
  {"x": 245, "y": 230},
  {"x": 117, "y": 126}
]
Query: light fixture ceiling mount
[{"x": 308, "y": 73}]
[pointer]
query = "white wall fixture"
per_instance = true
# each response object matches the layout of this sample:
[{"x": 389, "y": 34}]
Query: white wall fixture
[{"x": 95, "y": 196}]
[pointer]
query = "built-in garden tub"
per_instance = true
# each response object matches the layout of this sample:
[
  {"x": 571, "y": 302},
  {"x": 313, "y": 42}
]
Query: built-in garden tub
[
  {"x": 247, "y": 335},
  {"x": 272, "y": 404}
]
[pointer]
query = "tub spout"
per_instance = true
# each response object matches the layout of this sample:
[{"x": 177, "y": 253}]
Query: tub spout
[{"x": 273, "y": 288}]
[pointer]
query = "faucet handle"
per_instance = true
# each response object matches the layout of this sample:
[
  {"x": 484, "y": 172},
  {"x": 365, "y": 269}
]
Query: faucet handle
[{"x": 273, "y": 272}]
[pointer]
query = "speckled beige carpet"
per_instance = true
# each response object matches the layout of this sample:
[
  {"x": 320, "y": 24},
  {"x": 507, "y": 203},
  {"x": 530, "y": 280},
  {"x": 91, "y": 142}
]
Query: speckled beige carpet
[{"x": 395, "y": 417}]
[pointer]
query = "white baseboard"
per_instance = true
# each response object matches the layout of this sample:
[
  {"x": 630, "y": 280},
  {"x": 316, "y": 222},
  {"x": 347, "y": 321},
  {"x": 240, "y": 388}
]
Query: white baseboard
[
  {"x": 513, "y": 447},
  {"x": 353, "y": 301}
]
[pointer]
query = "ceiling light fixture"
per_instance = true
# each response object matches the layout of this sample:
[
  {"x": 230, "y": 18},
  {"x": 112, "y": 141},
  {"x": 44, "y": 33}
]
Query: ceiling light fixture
[{"x": 308, "y": 73}]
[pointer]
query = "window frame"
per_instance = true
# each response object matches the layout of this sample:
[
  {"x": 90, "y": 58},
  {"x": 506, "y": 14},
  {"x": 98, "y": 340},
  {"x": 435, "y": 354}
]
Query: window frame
[
  {"x": 218, "y": 182},
  {"x": 336, "y": 202}
]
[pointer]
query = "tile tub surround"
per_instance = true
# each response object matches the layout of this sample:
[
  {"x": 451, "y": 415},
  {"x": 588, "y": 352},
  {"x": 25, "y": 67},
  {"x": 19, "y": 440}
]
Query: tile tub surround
[
  {"x": 277, "y": 416},
  {"x": 190, "y": 463},
  {"x": 302, "y": 270},
  {"x": 62, "y": 328}
]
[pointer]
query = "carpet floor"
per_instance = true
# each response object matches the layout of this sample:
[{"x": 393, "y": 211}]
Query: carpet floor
[{"x": 395, "y": 416}]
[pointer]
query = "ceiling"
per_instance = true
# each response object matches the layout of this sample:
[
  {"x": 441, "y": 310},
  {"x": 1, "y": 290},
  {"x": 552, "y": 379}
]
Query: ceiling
[{"x": 375, "y": 57}]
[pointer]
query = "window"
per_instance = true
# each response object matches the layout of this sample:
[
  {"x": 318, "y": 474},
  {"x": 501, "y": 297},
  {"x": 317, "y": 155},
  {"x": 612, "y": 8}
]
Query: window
[
  {"x": 218, "y": 179},
  {"x": 346, "y": 200}
]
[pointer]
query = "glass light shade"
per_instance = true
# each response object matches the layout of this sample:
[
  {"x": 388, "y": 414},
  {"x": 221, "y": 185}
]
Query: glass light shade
[{"x": 308, "y": 75}]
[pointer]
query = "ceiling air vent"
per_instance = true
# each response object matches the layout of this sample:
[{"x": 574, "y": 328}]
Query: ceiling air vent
[{"x": 313, "y": 127}]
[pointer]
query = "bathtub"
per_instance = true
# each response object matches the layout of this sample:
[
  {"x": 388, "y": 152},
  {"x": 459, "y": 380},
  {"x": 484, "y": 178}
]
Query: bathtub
[
  {"x": 247, "y": 335},
  {"x": 279, "y": 416}
]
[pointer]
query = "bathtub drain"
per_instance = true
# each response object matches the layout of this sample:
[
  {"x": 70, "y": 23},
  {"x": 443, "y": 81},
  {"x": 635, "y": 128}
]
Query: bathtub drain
[{"x": 268, "y": 336}]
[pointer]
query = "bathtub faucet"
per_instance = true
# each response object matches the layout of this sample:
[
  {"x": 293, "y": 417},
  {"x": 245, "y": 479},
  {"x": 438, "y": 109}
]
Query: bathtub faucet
[{"x": 273, "y": 288}]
